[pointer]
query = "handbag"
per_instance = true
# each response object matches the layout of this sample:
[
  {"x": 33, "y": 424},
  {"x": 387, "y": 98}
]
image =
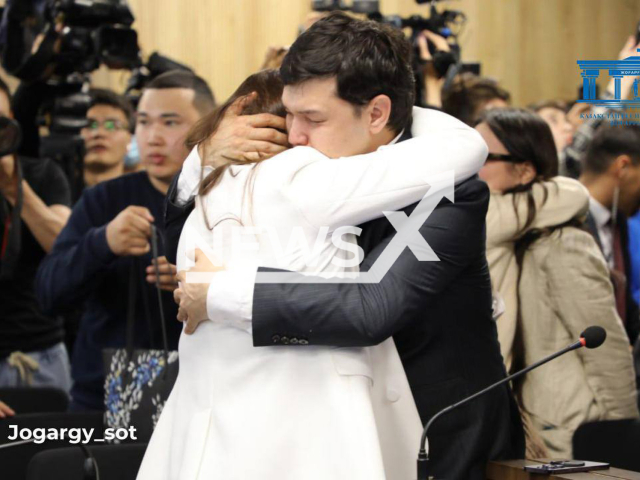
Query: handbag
[{"x": 138, "y": 381}]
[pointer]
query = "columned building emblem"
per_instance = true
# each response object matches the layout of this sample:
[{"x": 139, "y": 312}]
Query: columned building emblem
[{"x": 617, "y": 69}]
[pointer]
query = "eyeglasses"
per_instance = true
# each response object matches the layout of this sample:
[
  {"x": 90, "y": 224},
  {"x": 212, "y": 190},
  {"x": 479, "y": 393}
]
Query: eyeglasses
[
  {"x": 501, "y": 157},
  {"x": 109, "y": 125}
]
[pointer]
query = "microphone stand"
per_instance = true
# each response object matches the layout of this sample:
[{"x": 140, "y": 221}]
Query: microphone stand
[{"x": 423, "y": 455}]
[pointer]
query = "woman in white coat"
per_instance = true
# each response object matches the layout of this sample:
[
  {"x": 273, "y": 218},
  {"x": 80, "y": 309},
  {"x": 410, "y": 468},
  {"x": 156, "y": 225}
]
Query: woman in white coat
[{"x": 239, "y": 412}]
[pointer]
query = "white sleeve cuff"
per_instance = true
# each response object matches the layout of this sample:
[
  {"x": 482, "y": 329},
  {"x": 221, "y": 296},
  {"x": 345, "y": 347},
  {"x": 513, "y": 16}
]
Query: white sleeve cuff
[
  {"x": 230, "y": 297},
  {"x": 189, "y": 179}
]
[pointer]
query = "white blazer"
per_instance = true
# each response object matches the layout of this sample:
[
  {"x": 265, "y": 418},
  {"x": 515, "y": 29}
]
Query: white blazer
[{"x": 312, "y": 412}]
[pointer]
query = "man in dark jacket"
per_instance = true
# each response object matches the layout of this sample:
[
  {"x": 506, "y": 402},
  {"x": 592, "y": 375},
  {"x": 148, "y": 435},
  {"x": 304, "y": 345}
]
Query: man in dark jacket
[{"x": 107, "y": 240}]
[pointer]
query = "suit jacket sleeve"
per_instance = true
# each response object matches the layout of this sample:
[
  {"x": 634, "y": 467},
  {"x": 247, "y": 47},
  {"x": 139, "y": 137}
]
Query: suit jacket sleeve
[
  {"x": 557, "y": 201},
  {"x": 79, "y": 255},
  {"x": 353, "y": 190},
  {"x": 352, "y": 314},
  {"x": 174, "y": 217}
]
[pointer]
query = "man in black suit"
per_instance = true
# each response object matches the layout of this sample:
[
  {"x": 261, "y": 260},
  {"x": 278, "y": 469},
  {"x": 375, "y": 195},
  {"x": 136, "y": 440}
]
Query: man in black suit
[
  {"x": 611, "y": 173},
  {"x": 439, "y": 313}
]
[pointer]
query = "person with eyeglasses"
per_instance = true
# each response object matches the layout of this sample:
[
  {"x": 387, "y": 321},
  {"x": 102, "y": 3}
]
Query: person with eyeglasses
[
  {"x": 107, "y": 136},
  {"x": 554, "y": 282}
]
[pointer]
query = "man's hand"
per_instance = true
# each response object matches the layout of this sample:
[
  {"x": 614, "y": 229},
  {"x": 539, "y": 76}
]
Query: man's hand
[
  {"x": 244, "y": 138},
  {"x": 438, "y": 41},
  {"x": 129, "y": 232},
  {"x": 8, "y": 179},
  {"x": 192, "y": 297},
  {"x": 5, "y": 410},
  {"x": 167, "y": 273}
]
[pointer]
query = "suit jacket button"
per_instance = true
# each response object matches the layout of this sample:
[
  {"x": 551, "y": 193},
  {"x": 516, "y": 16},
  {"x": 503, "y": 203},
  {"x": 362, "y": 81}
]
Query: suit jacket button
[
  {"x": 275, "y": 339},
  {"x": 284, "y": 340},
  {"x": 302, "y": 341},
  {"x": 293, "y": 341},
  {"x": 392, "y": 395}
]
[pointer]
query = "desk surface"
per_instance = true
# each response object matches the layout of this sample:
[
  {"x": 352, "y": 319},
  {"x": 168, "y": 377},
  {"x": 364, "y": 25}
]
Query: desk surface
[{"x": 513, "y": 470}]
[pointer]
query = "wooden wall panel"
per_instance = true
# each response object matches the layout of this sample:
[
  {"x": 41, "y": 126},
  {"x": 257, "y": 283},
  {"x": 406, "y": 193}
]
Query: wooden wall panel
[{"x": 531, "y": 46}]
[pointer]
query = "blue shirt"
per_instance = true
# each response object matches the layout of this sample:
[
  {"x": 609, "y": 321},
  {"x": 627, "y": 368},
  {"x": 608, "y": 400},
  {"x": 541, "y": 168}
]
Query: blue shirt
[{"x": 634, "y": 255}]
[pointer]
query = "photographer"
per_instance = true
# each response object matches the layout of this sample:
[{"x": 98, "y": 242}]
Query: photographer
[
  {"x": 107, "y": 136},
  {"x": 31, "y": 348},
  {"x": 433, "y": 79},
  {"x": 108, "y": 238}
]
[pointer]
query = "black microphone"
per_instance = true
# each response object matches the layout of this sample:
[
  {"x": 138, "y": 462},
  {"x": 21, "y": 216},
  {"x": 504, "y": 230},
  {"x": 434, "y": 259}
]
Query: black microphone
[{"x": 592, "y": 337}]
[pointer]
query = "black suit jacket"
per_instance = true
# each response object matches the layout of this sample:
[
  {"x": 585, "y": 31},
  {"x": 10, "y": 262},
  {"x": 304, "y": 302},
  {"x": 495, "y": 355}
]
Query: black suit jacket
[{"x": 439, "y": 314}]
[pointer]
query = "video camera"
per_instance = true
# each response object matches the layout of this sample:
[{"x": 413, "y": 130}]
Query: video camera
[
  {"x": 70, "y": 36},
  {"x": 446, "y": 23},
  {"x": 58, "y": 43},
  {"x": 438, "y": 22}
]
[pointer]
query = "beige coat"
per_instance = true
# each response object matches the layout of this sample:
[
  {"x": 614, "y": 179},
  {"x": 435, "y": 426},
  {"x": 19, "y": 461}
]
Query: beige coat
[
  {"x": 565, "y": 287},
  {"x": 566, "y": 198}
]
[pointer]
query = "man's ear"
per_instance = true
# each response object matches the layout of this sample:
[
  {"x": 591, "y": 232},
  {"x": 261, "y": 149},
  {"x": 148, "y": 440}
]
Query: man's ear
[
  {"x": 620, "y": 165},
  {"x": 379, "y": 111}
]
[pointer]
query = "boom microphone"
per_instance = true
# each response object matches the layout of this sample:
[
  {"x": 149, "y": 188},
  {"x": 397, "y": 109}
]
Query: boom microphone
[{"x": 592, "y": 337}]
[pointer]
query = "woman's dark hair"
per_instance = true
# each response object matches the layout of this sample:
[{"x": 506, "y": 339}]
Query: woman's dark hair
[
  {"x": 366, "y": 58},
  {"x": 268, "y": 86},
  {"x": 468, "y": 94},
  {"x": 528, "y": 138}
]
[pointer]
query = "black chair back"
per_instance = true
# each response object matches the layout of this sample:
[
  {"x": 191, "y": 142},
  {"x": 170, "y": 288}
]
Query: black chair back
[
  {"x": 35, "y": 399},
  {"x": 15, "y": 459},
  {"x": 115, "y": 462},
  {"x": 612, "y": 441}
]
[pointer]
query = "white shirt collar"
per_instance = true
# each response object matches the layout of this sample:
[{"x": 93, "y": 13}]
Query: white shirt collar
[{"x": 601, "y": 214}]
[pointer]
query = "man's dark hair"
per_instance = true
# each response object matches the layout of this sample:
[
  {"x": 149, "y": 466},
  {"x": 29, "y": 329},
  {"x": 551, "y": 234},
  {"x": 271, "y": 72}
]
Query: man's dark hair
[
  {"x": 5, "y": 89},
  {"x": 102, "y": 96},
  {"x": 610, "y": 142},
  {"x": 204, "y": 101},
  {"x": 367, "y": 59},
  {"x": 468, "y": 94}
]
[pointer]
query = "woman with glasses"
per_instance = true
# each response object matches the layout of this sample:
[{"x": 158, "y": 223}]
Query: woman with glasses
[{"x": 554, "y": 283}]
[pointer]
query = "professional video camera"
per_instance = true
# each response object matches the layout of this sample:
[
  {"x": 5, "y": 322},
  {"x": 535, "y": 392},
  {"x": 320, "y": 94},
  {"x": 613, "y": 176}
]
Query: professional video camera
[
  {"x": 446, "y": 23},
  {"x": 438, "y": 22},
  {"x": 57, "y": 44},
  {"x": 62, "y": 37}
]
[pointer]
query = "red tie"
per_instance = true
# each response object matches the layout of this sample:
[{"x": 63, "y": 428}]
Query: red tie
[{"x": 618, "y": 276}]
